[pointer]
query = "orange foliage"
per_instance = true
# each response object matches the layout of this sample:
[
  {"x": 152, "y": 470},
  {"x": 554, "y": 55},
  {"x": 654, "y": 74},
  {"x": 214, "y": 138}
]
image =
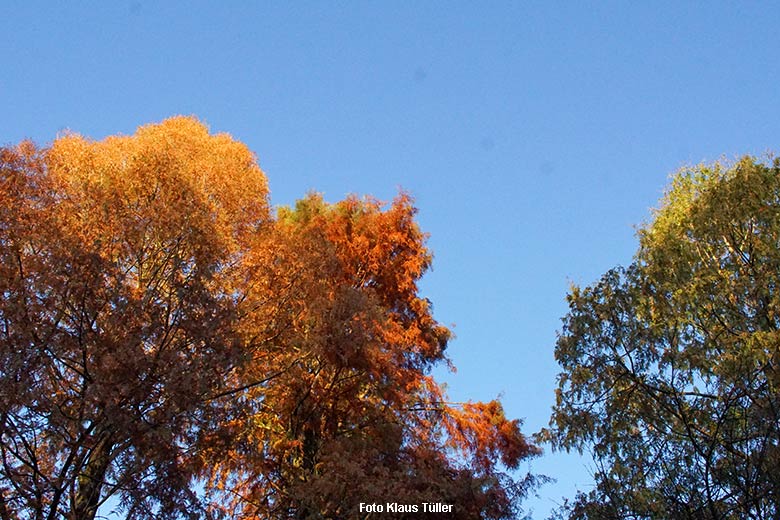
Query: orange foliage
[
  {"x": 163, "y": 333},
  {"x": 352, "y": 414}
]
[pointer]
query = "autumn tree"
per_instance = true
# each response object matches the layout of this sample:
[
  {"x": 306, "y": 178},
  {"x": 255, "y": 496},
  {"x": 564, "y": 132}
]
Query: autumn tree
[
  {"x": 118, "y": 279},
  {"x": 353, "y": 416},
  {"x": 168, "y": 341},
  {"x": 671, "y": 367}
]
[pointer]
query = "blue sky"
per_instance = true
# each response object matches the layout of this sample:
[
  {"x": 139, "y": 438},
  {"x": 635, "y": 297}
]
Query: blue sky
[{"x": 534, "y": 136}]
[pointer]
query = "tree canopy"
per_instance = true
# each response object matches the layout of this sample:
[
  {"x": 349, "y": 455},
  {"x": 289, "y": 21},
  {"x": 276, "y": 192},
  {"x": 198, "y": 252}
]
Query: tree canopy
[
  {"x": 169, "y": 340},
  {"x": 670, "y": 367}
]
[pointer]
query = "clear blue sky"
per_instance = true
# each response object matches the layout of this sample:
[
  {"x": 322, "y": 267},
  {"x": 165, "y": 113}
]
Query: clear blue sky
[{"x": 534, "y": 136}]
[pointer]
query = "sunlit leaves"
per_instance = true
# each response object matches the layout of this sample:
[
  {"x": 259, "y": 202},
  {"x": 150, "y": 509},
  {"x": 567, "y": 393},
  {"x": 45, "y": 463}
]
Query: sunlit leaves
[
  {"x": 670, "y": 366},
  {"x": 168, "y": 341},
  {"x": 118, "y": 306},
  {"x": 352, "y": 415}
]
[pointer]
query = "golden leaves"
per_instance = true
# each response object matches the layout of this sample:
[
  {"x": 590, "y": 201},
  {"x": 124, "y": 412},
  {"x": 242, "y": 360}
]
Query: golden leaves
[
  {"x": 168, "y": 179},
  {"x": 167, "y": 316}
]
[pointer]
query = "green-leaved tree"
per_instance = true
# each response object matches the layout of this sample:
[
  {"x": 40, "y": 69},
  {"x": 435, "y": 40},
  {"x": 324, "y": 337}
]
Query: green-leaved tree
[{"x": 670, "y": 367}]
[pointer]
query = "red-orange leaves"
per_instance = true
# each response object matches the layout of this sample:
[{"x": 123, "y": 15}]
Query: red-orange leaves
[
  {"x": 352, "y": 414},
  {"x": 166, "y": 339},
  {"x": 483, "y": 431}
]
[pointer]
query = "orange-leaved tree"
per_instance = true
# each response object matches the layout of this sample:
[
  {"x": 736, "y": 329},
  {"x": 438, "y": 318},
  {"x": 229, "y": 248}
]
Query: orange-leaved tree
[
  {"x": 167, "y": 341},
  {"x": 120, "y": 263},
  {"x": 354, "y": 416}
]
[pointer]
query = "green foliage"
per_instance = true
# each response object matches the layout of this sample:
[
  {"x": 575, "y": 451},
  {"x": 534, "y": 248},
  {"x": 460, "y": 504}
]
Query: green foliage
[{"x": 670, "y": 371}]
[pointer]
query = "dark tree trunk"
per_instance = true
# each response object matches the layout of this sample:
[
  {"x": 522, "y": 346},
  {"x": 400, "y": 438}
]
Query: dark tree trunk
[{"x": 91, "y": 479}]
